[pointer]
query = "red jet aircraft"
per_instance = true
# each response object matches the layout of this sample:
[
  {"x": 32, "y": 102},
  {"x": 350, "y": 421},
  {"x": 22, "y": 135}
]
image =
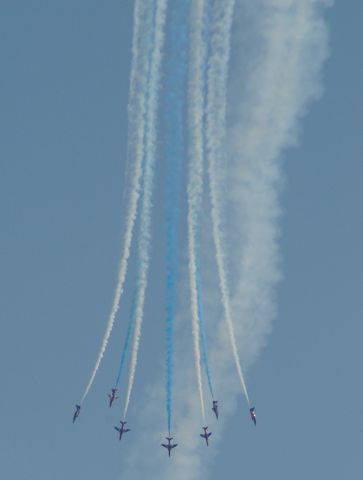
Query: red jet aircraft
[
  {"x": 206, "y": 435},
  {"x": 215, "y": 408},
  {"x": 77, "y": 412},
  {"x": 112, "y": 396},
  {"x": 169, "y": 446},
  {"x": 253, "y": 415},
  {"x": 121, "y": 429}
]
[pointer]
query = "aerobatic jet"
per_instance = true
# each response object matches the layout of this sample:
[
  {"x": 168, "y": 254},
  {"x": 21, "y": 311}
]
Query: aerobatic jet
[
  {"x": 215, "y": 408},
  {"x": 206, "y": 435},
  {"x": 169, "y": 446},
  {"x": 121, "y": 429},
  {"x": 253, "y": 415},
  {"x": 77, "y": 412},
  {"x": 112, "y": 396}
]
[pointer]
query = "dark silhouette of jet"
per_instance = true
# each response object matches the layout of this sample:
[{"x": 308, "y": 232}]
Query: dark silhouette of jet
[
  {"x": 112, "y": 396},
  {"x": 253, "y": 415},
  {"x": 215, "y": 408},
  {"x": 169, "y": 446},
  {"x": 77, "y": 412},
  {"x": 206, "y": 435},
  {"x": 121, "y": 429}
]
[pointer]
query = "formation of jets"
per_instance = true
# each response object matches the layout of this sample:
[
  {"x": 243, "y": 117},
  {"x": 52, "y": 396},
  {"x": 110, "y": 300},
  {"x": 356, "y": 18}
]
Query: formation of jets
[{"x": 169, "y": 446}]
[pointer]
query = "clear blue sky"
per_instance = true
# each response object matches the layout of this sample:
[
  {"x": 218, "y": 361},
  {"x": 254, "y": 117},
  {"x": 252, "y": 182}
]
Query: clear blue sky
[{"x": 63, "y": 98}]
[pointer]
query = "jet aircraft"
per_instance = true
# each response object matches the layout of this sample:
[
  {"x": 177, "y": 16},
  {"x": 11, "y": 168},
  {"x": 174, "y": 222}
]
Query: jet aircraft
[
  {"x": 169, "y": 446},
  {"x": 206, "y": 435},
  {"x": 77, "y": 412},
  {"x": 253, "y": 415},
  {"x": 112, "y": 396},
  {"x": 215, "y": 408},
  {"x": 121, "y": 429}
]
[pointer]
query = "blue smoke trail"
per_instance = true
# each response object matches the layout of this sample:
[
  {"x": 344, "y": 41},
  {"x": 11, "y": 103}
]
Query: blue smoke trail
[
  {"x": 203, "y": 337},
  {"x": 176, "y": 70},
  {"x": 144, "y": 241},
  {"x": 147, "y": 20},
  {"x": 130, "y": 330}
]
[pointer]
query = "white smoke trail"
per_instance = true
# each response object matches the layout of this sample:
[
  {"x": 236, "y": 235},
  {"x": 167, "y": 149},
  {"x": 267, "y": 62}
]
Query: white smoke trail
[
  {"x": 279, "y": 86},
  {"x": 215, "y": 139},
  {"x": 136, "y": 111},
  {"x": 145, "y": 214},
  {"x": 197, "y": 54},
  {"x": 280, "y": 47}
]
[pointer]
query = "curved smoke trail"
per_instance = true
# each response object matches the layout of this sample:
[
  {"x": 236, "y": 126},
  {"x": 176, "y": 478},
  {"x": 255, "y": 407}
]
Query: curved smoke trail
[
  {"x": 203, "y": 336},
  {"x": 150, "y": 154},
  {"x": 174, "y": 132},
  {"x": 280, "y": 49},
  {"x": 197, "y": 53},
  {"x": 215, "y": 137},
  {"x": 136, "y": 112}
]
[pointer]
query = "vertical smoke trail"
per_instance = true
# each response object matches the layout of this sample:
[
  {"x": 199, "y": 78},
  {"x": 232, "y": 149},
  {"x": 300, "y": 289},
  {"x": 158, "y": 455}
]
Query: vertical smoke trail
[
  {"x": 174, "y": 151},
  {"x": 215, "y": 136},
  {"x": 203, "y": 336},
  {"x": 130, "y": 329},
  {"x": 136, "y": 112},
  {"x": 197, "y": 53},
  {"x": 150, "y": 154}
]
